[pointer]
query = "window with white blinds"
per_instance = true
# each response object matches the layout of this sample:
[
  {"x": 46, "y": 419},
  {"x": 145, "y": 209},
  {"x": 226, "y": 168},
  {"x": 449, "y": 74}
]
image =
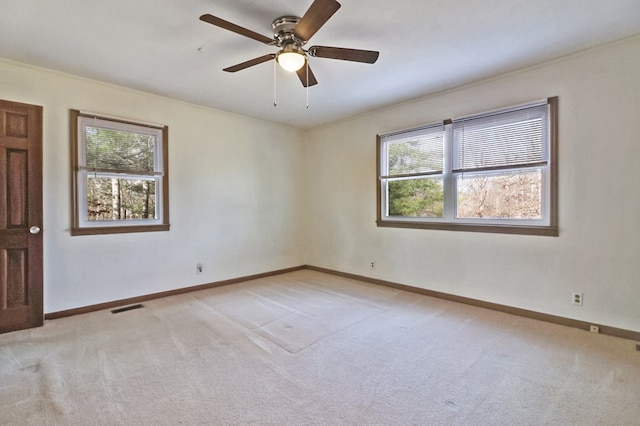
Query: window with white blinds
[
  {"x": 505, "y": 140},
  {"x": 490, "y": 172},
  {"x": 120, "y": 175}
]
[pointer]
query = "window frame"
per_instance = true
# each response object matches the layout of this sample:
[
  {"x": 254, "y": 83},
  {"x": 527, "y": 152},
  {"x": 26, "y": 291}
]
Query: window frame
[
  {"x": 547, "y": 227},
  {"x": 82, "y": 226}
]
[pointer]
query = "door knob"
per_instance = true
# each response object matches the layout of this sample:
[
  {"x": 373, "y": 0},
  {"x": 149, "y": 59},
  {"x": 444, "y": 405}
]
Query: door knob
[{"x": 34, "y": 230}]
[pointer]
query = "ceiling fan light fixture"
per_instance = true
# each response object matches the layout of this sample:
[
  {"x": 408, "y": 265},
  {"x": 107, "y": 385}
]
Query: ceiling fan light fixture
[{"x": 291, "y": 58}]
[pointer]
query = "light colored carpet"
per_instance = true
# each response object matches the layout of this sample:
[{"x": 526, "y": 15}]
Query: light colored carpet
[{"x": 307, "y": 348}]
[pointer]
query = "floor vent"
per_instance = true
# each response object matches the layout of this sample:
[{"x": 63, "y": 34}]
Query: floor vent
[{"x": 127, "y": 308}]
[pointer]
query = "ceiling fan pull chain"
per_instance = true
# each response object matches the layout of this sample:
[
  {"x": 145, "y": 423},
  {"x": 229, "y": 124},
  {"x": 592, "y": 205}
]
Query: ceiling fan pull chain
[
  {"x": 275, "y": 93},
  {"x": 307, "y": 70}
]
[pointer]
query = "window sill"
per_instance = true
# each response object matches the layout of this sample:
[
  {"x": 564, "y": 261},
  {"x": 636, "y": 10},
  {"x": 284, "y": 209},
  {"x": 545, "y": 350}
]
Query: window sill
[
  {"x": 119, "y": 229},
  {"x": 549, "y": 231}
]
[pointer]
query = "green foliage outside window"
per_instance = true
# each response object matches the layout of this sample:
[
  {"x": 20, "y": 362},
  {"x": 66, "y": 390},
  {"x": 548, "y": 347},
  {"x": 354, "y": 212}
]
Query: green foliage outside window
[{"x": 416, "y": 197}]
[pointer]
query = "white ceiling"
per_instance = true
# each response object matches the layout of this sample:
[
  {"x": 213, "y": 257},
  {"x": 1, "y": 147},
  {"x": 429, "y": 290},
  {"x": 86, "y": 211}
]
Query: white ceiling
[{"x": 160, "y": 46}]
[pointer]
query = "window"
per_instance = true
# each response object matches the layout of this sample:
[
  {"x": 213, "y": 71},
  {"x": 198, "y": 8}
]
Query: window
[
  {"x": 492, "y": 172},
  {"x": 120, "y": 175}
]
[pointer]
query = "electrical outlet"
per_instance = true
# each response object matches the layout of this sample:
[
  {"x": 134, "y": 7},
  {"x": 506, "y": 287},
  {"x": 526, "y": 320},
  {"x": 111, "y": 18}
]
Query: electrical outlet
[
  {"x": 576, "y": 299},
  {"x": 199, "y": 268},
  {"x": 594, "y": 329},
  {"x": 372, "y": 264}
]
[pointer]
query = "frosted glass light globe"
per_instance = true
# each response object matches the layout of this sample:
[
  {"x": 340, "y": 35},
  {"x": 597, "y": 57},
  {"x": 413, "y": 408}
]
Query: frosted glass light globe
[{"x": 291, "y": 61}]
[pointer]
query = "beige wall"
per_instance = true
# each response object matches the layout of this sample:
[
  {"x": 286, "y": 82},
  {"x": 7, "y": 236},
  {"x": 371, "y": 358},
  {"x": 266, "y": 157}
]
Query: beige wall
[
  {"x": 598, "y": 250},
  {"x": 234, "y": 203},
  {"x": 249, "y": 196}
]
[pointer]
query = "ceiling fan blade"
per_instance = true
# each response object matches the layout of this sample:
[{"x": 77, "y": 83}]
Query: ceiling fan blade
[
  {"x": 356, "y": 55},
  {"x": 315, "y": 17},
  {"x": 250, "y": 63},
  {"x": 302, "y": 75},
  {"x": 219, "y": 22}
]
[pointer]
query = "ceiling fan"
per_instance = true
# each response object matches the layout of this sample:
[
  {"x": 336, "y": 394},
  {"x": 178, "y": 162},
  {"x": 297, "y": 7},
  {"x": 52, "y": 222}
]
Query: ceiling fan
[{"x": 290, "y": 34}]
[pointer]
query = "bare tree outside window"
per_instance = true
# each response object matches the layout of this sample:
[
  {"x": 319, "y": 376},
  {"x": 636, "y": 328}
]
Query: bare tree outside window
[
  {"x": 509, "y": 196},
  {"x": 119, "y": 198}
]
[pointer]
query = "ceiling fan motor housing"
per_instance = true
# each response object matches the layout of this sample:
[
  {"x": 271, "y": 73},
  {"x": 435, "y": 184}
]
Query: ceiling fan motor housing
[{"x": 283, "y": 31}]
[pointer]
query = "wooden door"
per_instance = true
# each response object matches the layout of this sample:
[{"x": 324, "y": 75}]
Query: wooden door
[{"x": 20, "y": 216}]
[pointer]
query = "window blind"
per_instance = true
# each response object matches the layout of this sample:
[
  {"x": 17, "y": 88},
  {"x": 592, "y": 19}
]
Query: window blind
[
  {"x": 506, "y": 140},
  {"x": 119, "y": 150},
  {"x": 419, "y": 152}
]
